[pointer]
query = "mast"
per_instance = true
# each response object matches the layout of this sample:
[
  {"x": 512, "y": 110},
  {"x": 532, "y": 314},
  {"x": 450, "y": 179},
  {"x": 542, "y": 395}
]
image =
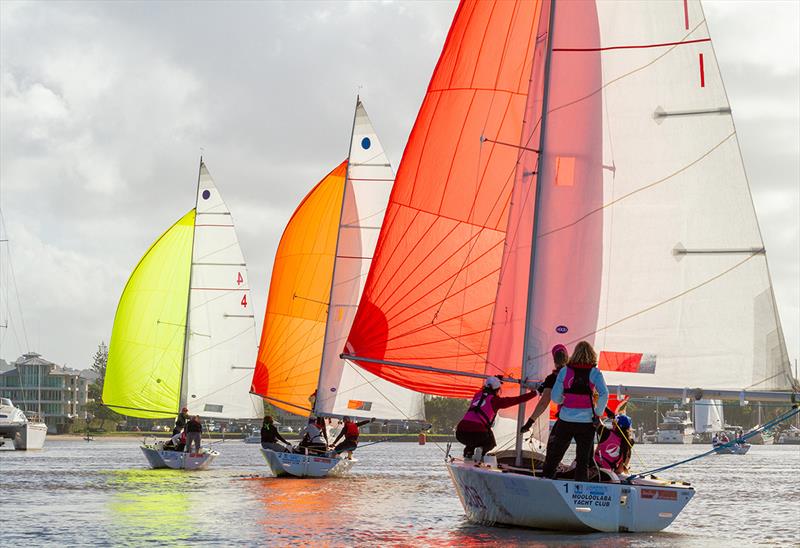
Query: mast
[
  {"x": 336, "y": 253},
  {"x": 540, "y": 168},
  {"x": 184, "y": 397}
]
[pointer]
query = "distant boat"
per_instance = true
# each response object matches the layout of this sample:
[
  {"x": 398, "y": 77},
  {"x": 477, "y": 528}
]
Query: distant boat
[
  {"x": 184, "y": 331},
  {"x": 676, "y": 427},
  {"x": 18, "y": 431},
  {"x": 317, "y": 278},
  {"x": 790, "y": 436}
]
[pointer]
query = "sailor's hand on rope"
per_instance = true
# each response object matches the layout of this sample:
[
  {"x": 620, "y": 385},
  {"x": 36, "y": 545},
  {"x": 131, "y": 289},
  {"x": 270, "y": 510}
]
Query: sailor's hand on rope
[{"x": 526, "y": 426}]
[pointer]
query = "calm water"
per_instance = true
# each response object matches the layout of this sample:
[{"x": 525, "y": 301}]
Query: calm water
[{"x": 101, "y": 493}]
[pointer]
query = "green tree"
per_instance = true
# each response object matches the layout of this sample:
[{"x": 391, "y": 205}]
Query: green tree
[
  {"x": 98, "y": 413},
  {"x": 444, "y": 413}
]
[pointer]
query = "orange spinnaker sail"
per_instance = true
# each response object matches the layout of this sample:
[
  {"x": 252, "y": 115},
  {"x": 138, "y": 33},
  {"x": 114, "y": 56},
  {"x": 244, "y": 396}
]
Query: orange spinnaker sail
[
  {"x": 430, "y": 294},
  {"x": 289, "y": 355}
]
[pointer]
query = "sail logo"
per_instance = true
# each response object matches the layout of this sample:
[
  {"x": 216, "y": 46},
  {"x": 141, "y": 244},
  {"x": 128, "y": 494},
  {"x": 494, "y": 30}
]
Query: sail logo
[{"x": 562, "y": 329}]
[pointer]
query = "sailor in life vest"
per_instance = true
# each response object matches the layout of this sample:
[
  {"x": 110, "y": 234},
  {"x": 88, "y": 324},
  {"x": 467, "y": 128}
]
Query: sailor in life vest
[
  {"x": 350, "y": 433},
  {"x": 615, "y": 445},
  {"x": 560, "y": 358},
  {"x": 576, "y": 387},
  {"x": 475, "y": 429}
]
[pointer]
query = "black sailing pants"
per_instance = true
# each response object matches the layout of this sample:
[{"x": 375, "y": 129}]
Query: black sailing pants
[
  {"x": 472, "y": 440},
  {"x": 562, "y": 434}
]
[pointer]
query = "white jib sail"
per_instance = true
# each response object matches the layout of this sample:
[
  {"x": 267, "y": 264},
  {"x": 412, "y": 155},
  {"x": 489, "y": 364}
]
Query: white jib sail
[
  {"x": 344, "y": 388},
  {"x": 221, "y": 343},
  {"x": 708, "y": 416}
]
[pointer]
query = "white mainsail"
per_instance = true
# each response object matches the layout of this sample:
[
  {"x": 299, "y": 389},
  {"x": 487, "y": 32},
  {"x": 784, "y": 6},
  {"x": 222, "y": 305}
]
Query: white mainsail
[
  {"x": 708, "y": 416},
  {"x": 221, "y": 338},
  {"x": 344, "y": 388},
  {"x": 647, "y": 242}
]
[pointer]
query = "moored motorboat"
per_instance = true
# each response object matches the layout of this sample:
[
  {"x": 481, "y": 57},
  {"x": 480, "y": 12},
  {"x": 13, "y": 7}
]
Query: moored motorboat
[{"x": 17, "y": 431}]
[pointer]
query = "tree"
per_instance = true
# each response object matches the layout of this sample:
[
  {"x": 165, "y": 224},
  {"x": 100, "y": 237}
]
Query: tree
[
  {"x": 99, "y": 362},
  {"x": 94, "y": 406},
  {"x": 444, "y": 413}
]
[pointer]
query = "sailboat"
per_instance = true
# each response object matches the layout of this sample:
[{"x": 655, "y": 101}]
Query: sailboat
[
  {"x": 572, "y": 175},
  {"x": 184, "y": 330},
  {"x": 317, "y": 278}
]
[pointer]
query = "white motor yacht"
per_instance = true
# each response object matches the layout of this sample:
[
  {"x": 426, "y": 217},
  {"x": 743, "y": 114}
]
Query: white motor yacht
[
  {"x": 677, "y": 427},
  {"x": 18, "y": 431}
]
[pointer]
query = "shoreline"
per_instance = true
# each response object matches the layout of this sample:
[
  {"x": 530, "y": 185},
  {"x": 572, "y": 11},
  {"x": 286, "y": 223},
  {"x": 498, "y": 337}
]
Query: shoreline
[{"x": 110, "y": 436}]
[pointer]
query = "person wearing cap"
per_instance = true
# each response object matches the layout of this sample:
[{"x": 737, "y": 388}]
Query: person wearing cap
[
  {"x": 581, "y": 392},
  {"x": 350, "y": 433},
  {"x": 181, "y": 421},
  {"x": 475, "y": 429},
  {"x": 615, "y": 445},
  {"x": 560, "y": 358}
]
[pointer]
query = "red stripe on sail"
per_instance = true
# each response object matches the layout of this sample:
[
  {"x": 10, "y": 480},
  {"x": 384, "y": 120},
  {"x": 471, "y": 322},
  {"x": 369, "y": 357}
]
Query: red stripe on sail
[
  {"x": 702, "y": 73},
  {"x": 686, "y": 14},
  {"x": 638, "y": 46}
]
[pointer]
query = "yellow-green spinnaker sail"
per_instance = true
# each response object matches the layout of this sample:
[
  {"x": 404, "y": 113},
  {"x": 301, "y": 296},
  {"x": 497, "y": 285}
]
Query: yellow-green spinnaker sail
[{"x": 145, "y": 356}]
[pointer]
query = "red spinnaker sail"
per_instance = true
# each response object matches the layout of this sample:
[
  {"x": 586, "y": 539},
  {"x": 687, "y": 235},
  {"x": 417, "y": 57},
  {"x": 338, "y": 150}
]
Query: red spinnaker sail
[{"x": 429, "y": 297}]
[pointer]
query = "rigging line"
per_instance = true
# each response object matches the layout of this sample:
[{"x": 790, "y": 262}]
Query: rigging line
[
  {"x": 778, "y": 374},
  {"x": 14, "y": 282},
  {"x": 641, "y": 189},
  {"x": 658, "y": 304},
  {"x": 296, "y": 296},
  {"x": 520, "y": 147},
  {"x": 358, "y": 370}
]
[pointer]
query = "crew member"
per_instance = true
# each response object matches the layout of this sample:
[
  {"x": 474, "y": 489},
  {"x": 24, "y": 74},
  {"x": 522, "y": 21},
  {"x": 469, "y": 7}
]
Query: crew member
[
  {"x": 350, "y": 433},
  {"x": 560, "y": 357},
  {"x": 615, "y": 445},
  {"x": 180, "y": 422},
  {"x": 575, "y": 389},
  {"x": 270, "y": 436},
  {"x": 314, "y": 440},
  {"x": 194, "y": 432},
  {"x": 475, "y": 429}
]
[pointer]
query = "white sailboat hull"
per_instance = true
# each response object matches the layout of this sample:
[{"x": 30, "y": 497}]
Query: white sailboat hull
[
  {"x": 305, "y": 466},
  {"x": 491, "y": 496},
  {"x": 178, "y": 460}
]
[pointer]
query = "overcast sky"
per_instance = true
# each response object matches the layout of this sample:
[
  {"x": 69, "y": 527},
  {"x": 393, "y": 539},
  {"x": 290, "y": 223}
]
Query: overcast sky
[{"x": 105, "y": 108}]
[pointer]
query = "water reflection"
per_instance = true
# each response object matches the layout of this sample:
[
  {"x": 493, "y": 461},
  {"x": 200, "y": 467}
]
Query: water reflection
[{"x": 150, "y": 506}]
